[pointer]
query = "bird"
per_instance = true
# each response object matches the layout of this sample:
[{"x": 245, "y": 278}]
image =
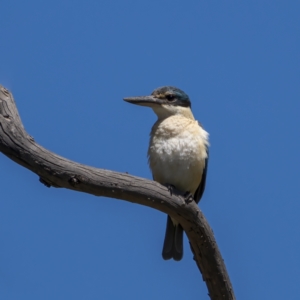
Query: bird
[{"x": 177, "y": 154}]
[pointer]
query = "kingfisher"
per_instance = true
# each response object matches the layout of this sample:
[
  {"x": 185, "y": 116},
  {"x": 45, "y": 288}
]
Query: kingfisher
[{"x": 177, "y": 154}]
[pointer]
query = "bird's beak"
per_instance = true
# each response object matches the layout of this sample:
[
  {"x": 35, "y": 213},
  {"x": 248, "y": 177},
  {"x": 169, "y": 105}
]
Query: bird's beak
[{"x": 144, "y": 100}]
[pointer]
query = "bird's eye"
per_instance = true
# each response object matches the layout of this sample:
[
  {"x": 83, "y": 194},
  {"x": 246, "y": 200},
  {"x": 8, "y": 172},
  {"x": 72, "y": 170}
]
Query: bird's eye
[{"x": 170, "y": 97}]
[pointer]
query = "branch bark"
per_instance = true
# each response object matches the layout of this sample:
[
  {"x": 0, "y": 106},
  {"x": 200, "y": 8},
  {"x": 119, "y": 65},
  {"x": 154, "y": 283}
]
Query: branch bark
[{"x": 57, "y": 171}]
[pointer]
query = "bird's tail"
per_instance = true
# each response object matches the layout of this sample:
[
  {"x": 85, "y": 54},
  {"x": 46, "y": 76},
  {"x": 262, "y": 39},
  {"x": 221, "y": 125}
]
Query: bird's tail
[{"x": 173, "y": 244}]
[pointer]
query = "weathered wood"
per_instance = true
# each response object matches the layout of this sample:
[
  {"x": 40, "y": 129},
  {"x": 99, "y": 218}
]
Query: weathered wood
[{"x": 57, "y": 171}]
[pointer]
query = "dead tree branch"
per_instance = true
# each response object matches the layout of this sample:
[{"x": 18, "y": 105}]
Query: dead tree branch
[{"x": 57, "y": 171}]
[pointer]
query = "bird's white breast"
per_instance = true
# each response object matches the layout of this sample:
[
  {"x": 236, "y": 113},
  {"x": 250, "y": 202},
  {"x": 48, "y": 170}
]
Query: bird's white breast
[{"x": 177, "y": 152}]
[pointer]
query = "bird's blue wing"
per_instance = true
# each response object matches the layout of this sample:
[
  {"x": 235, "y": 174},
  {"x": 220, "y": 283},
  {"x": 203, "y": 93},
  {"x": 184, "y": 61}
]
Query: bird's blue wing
[{"x": 200, "y": 190}]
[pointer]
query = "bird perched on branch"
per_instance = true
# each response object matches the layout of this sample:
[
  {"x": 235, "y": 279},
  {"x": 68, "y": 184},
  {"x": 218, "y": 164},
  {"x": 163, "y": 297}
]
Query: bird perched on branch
[{"x": 178, "y": 154}]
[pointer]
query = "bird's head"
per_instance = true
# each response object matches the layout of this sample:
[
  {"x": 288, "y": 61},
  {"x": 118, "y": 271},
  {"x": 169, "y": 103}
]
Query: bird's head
[{"x": 165, "y": 101}]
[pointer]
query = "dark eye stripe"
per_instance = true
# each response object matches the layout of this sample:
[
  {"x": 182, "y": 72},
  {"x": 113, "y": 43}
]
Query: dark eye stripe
[{"x": 170, "y": 97}]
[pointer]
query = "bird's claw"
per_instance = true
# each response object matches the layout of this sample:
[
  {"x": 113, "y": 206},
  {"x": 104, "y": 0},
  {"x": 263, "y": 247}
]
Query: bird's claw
[
  {"x": 170, "y": 188},
  {"x": 188, "y": 197}
]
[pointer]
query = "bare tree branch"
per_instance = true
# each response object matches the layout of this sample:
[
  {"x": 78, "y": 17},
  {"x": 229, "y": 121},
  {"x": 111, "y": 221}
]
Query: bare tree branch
[{"x": 57, "y": 171}]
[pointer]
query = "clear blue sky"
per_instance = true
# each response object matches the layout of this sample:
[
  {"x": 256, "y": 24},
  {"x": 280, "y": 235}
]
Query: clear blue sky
[{"x": 70, "y": 63}]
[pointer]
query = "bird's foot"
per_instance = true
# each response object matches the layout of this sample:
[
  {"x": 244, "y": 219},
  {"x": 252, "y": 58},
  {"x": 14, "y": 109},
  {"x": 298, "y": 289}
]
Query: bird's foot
[
  {"x": 188, "y": 197},
  {"x": 170, "y": 188}
]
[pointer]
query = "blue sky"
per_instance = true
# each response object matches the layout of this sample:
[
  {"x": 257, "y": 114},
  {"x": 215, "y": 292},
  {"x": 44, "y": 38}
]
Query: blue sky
[{"x": 70, "y": 63}]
